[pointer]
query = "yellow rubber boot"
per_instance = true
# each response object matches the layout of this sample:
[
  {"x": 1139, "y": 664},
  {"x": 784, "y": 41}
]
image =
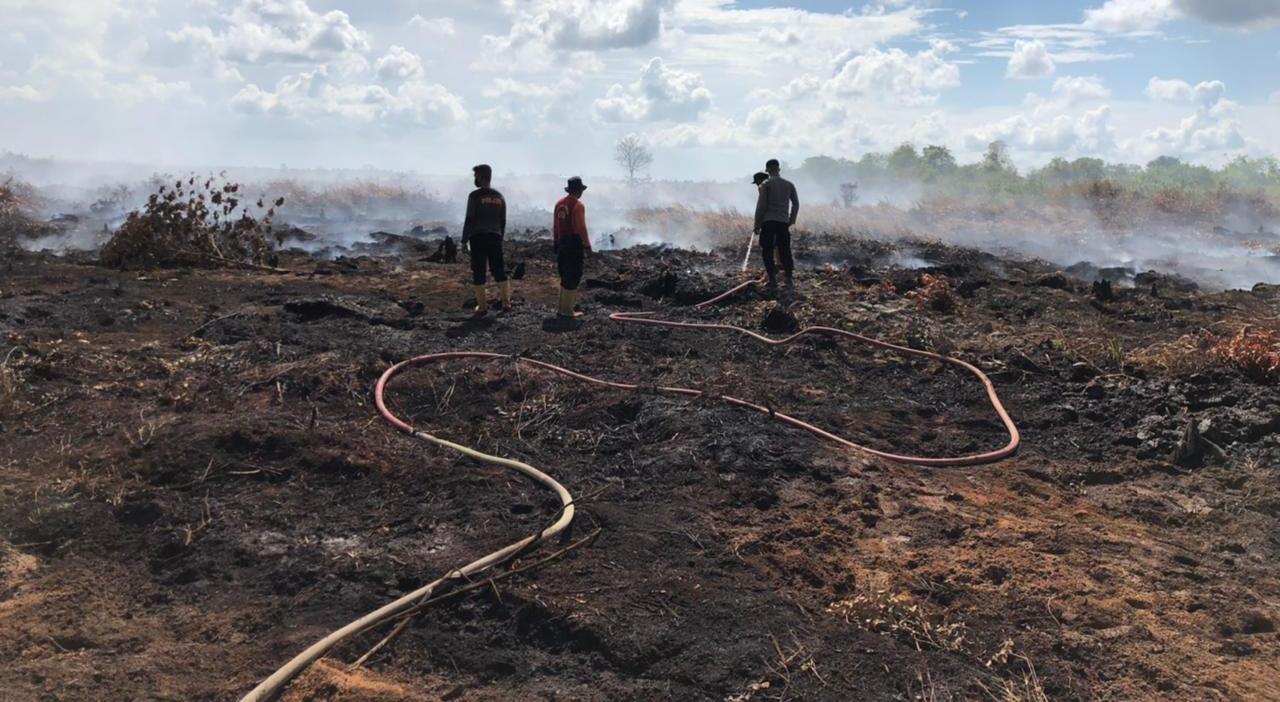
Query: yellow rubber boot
[
  {"x": 482, "y": 304},
  {"x": 571, "y": 304},
  {"x": 564, "y": 309},
  {"x": 504, "y": 289}
]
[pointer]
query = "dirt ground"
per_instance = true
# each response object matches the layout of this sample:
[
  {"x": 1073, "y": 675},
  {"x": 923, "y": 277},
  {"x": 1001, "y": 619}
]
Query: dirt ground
[{"x": 195, "y": 485}]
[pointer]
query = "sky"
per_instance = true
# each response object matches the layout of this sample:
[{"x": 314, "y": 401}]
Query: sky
[{"x": 715, "y": 87}]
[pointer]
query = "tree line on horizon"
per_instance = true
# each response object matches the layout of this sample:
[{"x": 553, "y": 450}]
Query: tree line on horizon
[{"x": 995, "y": 172}]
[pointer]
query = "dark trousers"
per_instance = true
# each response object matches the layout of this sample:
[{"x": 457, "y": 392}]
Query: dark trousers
[
  {"x": 776, "y": 235},
  {"x": 569, "y": 262},
  {"x": 486, "y": 251}
]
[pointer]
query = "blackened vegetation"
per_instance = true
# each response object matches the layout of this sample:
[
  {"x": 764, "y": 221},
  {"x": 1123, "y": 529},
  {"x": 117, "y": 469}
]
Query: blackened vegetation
[
  {"x": 195, "y": 222},
  {"x": 202, "y": 487}
]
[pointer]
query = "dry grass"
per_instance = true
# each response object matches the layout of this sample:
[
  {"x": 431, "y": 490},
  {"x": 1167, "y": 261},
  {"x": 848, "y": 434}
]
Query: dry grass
[
  {"x": 898, "y": 615},
  {"x": 1024, "y": 688},
  {"x": 10, "y": 389},
  {"x": 17, "y": 199},
  {"x": 358, "y": 199},
  {"x": 18, "y": 203},
  {"x": 1186, "y": 355},
  {"x": 329, "y": 682},
  {"x": 701, "y": 227},
  {"x": 885, "y": 613},
  {"x": 790, "y": 661},
  {"x": 1254, "y": 350}
]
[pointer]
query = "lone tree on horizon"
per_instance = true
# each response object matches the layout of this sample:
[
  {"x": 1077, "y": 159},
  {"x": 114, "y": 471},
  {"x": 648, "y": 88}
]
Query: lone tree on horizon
[{"x": 631, "y": 153}]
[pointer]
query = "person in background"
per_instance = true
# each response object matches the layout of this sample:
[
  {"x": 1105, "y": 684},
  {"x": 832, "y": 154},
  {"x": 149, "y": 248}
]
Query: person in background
[
  {"x": 757, "y": 180},
  {"x": 446, "y": 252},
  {"x": 776, "y": 210},
  {"x": 571, "y": 242},
  {"x": 482, "y": 230}
]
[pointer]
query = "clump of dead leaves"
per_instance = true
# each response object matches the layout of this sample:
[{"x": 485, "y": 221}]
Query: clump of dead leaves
[
  {"x": 934, "y": 293},
  {"x": 195, "y": 222}
]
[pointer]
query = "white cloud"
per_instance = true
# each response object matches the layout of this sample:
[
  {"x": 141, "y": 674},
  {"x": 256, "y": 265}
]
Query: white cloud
[
  {"x": 524, "y": 109},
  {"x": 1057, "y": 135},
  {"x": 711, "y": 133},
  {"x": 1237, "y": 14},
  {"x": 438, "y": 25},
  {"x": 894, "y": 75},
  {"x": 279, "y": 31},
  {"x": 398, "y": 65},
  {"x": 313, "y": 93},
  {"x": 1130, "y": 16},
  {"x": 777, "y": 39},
  {"x": 1063, "y": 43},
  {"x": 581, "y": 25},
  {"x": 929, "y": 129},
  {"x": 780, "y": 36},
  {"x": 1051, "y": 127},
  {"x": 661, "y": 93},
  {"x": 1030, "y": 60},
  {"x": 1145, "y": 16},
  {"x": 765, "y": 121},
  {"x": 1212, "y": 128},
  {"x": 1094, "y": 132},
  {"x": 1168, "y": 90},
  {"x": 833, "y": 115},
  {"x": 1199, "y": 133},
  {"x": 1206, "y": 93},
  {"x": 144, "y": 88},
  {"x": 803, "y": 81},
  {"x": 20, "y": 93},
  {"x": 340, "y": 82},
  {"x": 88, "y": 48},
  {"x": 1076, "y": 89},
  {"x": 797, "y": 89}
]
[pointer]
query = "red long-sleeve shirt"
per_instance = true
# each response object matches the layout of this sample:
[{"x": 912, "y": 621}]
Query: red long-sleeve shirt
[{"x": 570, "y": 219}]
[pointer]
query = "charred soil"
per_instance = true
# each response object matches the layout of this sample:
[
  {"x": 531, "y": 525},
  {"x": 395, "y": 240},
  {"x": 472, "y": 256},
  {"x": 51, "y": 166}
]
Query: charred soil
[{"x": 194, "y": 485}]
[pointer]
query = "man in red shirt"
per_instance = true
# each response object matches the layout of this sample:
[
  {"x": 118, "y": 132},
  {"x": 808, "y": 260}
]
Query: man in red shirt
[{"x": 572, "y": 243}]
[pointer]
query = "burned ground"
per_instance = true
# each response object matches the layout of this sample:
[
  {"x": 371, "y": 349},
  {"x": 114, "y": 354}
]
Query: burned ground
[{"x": 196, "y": 486}]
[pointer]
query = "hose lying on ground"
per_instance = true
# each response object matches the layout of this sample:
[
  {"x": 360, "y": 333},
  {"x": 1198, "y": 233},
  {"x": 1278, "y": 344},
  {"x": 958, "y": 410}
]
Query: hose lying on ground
[
  {"x": 976, "y": 459},
  {"x": 269, "y": 687}
]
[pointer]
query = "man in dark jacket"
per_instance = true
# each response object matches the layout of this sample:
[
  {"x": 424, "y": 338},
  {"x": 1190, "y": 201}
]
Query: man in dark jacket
[{"x": 483, "y": 229}]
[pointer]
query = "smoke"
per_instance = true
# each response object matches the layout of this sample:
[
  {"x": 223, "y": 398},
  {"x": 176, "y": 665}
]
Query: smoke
[
  {"x": 1182, "y": 251},
  {"x": 1223, "y": 243}
]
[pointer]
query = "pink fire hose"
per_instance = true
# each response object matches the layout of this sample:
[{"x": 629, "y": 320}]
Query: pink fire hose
[{"x": 273, "y": 684}]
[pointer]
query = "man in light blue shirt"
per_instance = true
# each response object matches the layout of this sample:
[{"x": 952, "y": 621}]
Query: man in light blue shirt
[{"x": 776, "y": 210}]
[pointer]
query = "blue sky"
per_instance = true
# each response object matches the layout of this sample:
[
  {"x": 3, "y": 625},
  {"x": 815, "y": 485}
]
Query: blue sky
[{"x": 715, "y": 86}]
